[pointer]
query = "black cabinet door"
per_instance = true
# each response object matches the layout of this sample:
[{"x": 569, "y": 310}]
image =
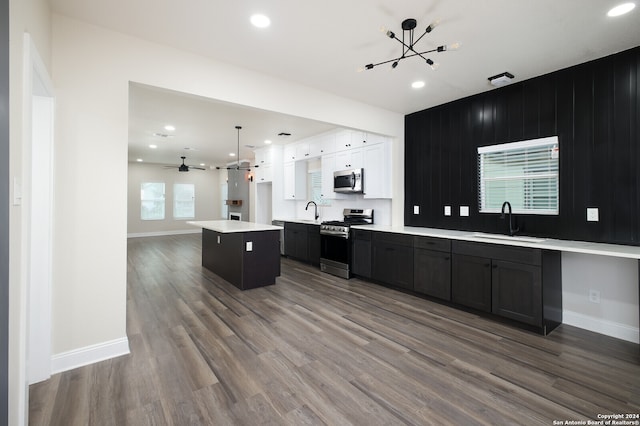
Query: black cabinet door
[
  {"x": 517, "y": 291},
  {"x": 471, "y": 281},
  {"x": 296, "y": 241},
  {"x": 393, "y": 264},
  {"x": 432, "y": 273},
  {"x": 361, "y": 252},
  {"x": 313, "y": 232}
]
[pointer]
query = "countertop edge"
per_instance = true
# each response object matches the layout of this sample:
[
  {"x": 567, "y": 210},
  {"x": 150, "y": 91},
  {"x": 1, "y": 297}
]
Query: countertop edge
[
  {"x": 584, "y": 247},
  {"x": 233, "y": 226}
]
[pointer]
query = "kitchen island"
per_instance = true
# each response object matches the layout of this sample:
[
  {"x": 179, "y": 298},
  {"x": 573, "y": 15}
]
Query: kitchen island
[{"x": 244, "y": 253}]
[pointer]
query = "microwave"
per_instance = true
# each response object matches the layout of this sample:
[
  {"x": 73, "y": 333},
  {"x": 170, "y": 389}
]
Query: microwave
[{"x": 348, "y": 181}]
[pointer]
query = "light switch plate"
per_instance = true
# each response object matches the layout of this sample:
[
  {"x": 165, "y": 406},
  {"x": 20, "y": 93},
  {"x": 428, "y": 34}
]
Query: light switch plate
[
  {"x": 464, "y": 211},
  {"x": 249, "y": 245},
  {"x": 592, "y": 214},
  {"x": 447, "y": 210},
  {"x": 416, "y": 209}
]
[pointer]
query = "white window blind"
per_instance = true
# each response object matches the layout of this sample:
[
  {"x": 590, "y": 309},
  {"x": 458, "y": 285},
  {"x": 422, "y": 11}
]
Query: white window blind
[
  {"x": 315, "y": 187},
  {"x": 524, "y": 173},
  {"x": 152, "y": 201},
  {"x": 184, "y": 201}
]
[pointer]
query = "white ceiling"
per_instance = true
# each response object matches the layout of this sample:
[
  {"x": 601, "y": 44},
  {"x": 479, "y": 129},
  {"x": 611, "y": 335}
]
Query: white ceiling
[{"x": 322, "y": 43}]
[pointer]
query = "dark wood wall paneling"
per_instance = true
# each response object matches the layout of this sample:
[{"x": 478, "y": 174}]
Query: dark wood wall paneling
[{"x": 593, "y": 108}]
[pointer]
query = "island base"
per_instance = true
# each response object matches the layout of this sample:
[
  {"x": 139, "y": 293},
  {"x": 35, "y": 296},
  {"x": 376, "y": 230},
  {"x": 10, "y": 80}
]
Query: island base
[{"x": 245, "y": 259}]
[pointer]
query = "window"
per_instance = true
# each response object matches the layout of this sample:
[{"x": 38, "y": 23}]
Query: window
[
  {"x": 315, "y": 187},
  {"x": 152, "y": 201},
  {"x": 524, "y": 173},
  {"x": 184, "y": 201}
]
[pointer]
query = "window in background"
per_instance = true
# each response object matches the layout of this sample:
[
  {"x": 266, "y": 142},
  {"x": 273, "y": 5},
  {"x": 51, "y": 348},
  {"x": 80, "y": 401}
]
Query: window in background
[
  {"x": 152, "y": 201},
  {"x": 184, "y": 201},
  {"x": 315, "y": 187},
  {"x": 524, "y": 173}
]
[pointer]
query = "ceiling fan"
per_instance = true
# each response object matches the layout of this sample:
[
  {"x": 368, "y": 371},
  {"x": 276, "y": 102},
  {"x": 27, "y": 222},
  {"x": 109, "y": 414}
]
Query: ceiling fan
[
  {"x": 237, "y": 166},
  {"x": 184, "y": 168}
]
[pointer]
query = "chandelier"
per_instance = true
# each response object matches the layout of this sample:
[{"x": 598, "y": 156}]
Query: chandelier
[
  {"x": 408, "y": 45},
  {"x": 237, "y": 166}
]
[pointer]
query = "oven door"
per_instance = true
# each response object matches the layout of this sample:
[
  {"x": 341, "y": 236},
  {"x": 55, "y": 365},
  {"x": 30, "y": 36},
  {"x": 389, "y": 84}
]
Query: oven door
[{"x": 335, "y": 255}]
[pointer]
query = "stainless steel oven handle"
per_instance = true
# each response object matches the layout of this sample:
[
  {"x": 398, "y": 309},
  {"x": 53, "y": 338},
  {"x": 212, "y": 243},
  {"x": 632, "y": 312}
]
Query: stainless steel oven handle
[{"x": 334, "y": 234}]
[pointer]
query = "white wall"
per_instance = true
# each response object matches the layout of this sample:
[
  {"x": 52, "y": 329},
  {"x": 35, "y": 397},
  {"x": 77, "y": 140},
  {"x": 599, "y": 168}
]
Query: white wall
[
  {"x": 617, "y": 281},
  {"x": 92, "y": 68},
  {"x": 207, "y": 187}
]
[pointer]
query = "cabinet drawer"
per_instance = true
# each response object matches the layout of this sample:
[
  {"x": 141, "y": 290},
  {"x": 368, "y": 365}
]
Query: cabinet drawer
[
  {"x": 292, "y": 226},
  {"x": 361, "y": 234},
  {"x": 391, "y": 238},
  {"x": 431, "y": 243},
  {"x": 529, "y": 256}
]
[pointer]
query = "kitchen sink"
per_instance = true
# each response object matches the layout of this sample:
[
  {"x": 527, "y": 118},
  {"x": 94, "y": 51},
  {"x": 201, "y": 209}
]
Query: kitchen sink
[{"x": 500, "y": 237}]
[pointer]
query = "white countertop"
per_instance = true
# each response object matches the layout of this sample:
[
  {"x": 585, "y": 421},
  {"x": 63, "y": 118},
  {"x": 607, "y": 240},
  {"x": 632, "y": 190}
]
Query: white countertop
[
  {"x": 306, "y": 221},
  {"x": 228, "y": 226},
  {"x": 601, "y": 249}
]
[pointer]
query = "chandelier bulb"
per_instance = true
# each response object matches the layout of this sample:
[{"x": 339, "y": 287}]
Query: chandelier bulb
[
  {"x": 454, "y": 46},
  {"x": 390, "y": 34},
  {"x": 432, "y": 25}
]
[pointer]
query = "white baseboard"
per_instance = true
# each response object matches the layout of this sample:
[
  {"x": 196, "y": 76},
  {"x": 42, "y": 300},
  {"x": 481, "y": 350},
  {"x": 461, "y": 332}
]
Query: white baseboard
[
  {"x": 162, "y": 233},
  {"x": 89, "y": 355},
  {"x": 599, "y": 325}
]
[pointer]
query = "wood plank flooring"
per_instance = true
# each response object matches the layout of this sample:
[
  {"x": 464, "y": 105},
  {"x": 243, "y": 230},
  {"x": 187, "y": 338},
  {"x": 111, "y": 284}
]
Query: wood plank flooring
[{"x": 315, "y": 349}]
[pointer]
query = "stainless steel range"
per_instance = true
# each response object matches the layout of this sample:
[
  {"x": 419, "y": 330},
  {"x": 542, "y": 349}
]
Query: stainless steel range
[{"x": 335, "y": 249}]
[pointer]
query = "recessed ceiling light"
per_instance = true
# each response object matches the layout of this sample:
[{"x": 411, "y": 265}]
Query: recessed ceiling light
[
  {"x": 153, "y": 146},
  {"x": 267, "y": 142},
  {"x": 202, "y": 164},
  {"x": 260, "y": 21},
  {"x": 232, "y": 154},
  {"x": 417, "y": 84},
  {"x": 139, "y": 160},
  {"x": 169, "y": 128},
  {"x": 621, "y": 9}
]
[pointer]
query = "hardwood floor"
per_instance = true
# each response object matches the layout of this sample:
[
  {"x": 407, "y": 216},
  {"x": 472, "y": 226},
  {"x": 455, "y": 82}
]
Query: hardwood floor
[{"x": 316, "y": 349}]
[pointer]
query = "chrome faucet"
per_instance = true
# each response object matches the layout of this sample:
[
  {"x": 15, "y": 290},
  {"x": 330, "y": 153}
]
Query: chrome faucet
[
  {"x": 315, "y": 208},
  {"x": 512, "y": 230}
]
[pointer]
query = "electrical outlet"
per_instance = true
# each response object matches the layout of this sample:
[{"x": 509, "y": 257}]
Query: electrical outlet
[
  {"x": 592, "y": 214},
  {"x": 594, "y": 296},
  {"x": 416, "y": 209},
  {"x": 249, "y": 245},
  {"x": 464, "y": 211},
  {"x": 447, "y": 210}
]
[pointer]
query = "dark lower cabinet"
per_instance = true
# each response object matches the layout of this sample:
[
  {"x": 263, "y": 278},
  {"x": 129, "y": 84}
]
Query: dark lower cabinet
[
  {"x": 302, "y": 242},
  {"x": 361, "y": 253},
  {"x": 432, "y": 267},
  {"x": 313, "y": 232},
  {"x": 517, "y": 291},
  {"x": 393, "y": 259},
  {"x": 471, "y": 281},
  {"x": 519, "y": 283}
]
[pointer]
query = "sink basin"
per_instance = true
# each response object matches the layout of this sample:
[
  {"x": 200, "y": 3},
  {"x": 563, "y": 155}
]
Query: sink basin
[{"x": 506, "y": 237}]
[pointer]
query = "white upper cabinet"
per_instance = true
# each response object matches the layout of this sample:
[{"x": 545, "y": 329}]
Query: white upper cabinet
[
  {"x": 377, "y": 170},
  {"x": 289, "y": 153},
  {"x": 349, "y": 159},
  {"x": 295, "y": 180},
  {"x": 263, "y": 170},
  {"x": 322, "y": 145}
]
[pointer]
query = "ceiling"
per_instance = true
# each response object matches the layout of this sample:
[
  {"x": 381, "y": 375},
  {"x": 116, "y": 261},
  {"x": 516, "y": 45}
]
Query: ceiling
[{"x": 322, "y": 44}]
